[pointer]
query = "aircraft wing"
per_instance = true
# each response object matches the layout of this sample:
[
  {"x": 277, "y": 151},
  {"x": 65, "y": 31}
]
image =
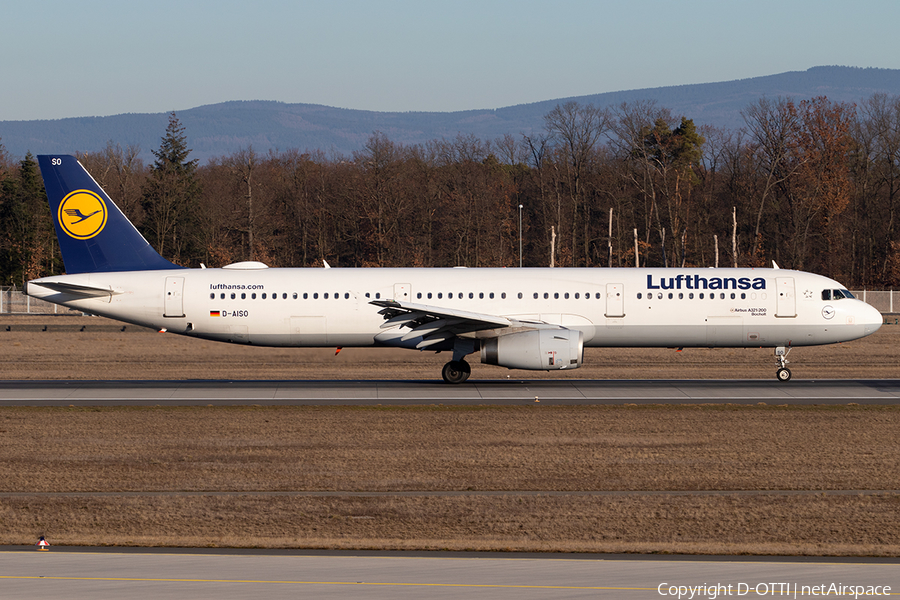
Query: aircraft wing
[{"x": 436, "y": 324}]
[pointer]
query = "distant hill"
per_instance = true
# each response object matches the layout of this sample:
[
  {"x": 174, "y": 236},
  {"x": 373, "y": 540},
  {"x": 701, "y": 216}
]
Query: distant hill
[{"x": 220, "y": 129}]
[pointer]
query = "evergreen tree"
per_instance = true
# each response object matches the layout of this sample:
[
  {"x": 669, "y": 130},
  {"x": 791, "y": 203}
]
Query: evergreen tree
[
  {"x": 171, "y": 194},
  {"x": 27, "y": 249}
]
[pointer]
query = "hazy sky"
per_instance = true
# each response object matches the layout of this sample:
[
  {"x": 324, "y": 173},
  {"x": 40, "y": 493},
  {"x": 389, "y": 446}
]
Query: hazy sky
[{"x": 93, "y": 58}]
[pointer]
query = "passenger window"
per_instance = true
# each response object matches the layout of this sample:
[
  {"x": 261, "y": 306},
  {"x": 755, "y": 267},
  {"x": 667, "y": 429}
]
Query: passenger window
[
  {"x": 243, "y": 295},
  {"x": 429, "y": 295},
  {"x": 691, "y": 296},
  {"x": 701, "y": 295},
  {"x": 253, "y": 296},
  {"x": 502, "y": 295},
  {"x": 743, "y": 296},
  {"x": 577, "y": 296},
  {"x": 659, "y": 295},
  {"x": 440, "y": 295},
  {"x": 419, "y": 295},
  {"x": 680, "y": 295},
  {"x": 471, "y": 295},
  {"x": 535, "y": 295},
  {"x": 732, "y": 295},
  {"x": 639, "y": 295},
  {"x": 670, "y": 295},
  {"x": 378, "y": 295},
  {"x": 264, "y": 296},
  {"x": 295, "y": 295},
  {"x": 450, "y": 295},
  {"x": 546, "y": 296},
  {"x": 212, "y": 296},
  {"x": 324, "y": 296},
  {"x": 306, "y": 295},
  {"x": 315, "y": 295},
  {"x": 722, "y": 296},
  {"x": 222, "y": 296},
  {"x": 520, "y": 295},
  {"x": 598, "y": 295},
  {"x": 556, "y": 295}
]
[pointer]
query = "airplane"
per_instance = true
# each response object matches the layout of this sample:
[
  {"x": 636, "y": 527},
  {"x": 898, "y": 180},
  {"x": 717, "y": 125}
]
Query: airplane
[{"x": 518, "y": 318}]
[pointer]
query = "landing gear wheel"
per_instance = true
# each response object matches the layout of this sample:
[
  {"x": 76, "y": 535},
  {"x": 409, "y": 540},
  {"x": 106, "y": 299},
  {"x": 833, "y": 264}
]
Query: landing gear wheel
[
  {"x": 783, "y": 373},
  {"x": 456, "y": 371}
]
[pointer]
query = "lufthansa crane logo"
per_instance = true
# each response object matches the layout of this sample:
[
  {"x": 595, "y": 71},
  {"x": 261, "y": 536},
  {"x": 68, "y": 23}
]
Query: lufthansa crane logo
[{"x": 82, "y": 214}]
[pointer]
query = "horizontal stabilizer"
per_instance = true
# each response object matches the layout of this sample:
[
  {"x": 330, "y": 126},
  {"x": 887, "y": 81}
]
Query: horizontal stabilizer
[{"x": 71, "y": 289}]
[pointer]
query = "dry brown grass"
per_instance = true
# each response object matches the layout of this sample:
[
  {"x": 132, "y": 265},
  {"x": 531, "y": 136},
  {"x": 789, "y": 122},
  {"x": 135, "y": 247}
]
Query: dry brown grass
[
  {"x": 236, "y": 476},
  {"x": 103, "y": 352},
  {"x": 421, "y": 478}
]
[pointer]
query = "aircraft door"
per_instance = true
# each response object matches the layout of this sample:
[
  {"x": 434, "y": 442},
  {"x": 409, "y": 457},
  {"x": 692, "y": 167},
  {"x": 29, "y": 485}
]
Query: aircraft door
[
  {"x": 174, "y": 297},
  {"x": 786, "y": 302},
  {"x": 615, "y": 300},
  {"x": 402, "y": 292}
]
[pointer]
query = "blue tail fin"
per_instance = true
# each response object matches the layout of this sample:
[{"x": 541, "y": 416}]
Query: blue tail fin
[{"x": 94, "y": 235}]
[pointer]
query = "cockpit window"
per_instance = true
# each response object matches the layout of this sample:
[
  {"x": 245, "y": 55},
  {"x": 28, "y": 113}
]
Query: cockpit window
[{"x": 836, "y": 294}]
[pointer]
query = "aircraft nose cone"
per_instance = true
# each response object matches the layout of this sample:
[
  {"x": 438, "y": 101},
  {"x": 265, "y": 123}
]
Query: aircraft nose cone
[{"x": 871, "y": 318}]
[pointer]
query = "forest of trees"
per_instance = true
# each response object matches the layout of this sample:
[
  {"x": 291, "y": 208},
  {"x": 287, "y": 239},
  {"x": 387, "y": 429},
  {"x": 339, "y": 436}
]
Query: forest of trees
[{"x": 812, "y": 185}]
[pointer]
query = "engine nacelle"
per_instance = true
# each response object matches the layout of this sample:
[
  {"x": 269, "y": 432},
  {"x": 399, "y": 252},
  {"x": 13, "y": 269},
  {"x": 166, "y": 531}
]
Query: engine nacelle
[{"x": 537, "y": 350}]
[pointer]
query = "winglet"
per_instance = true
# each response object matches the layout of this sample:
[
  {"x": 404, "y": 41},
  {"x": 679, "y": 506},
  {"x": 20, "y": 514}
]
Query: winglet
[{"x": 93, "y": 234}]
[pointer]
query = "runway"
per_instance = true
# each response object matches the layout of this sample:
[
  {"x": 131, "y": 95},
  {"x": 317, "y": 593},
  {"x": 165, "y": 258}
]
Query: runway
[
  {"x": 511, "y": 391},
  {"x": 285, "y": 574}
]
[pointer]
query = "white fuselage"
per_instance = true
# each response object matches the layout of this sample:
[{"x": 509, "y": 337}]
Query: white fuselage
[{"x": 611, "y": 307}]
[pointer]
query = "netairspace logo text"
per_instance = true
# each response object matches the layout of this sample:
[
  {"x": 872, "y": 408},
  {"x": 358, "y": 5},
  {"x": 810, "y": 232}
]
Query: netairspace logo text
[{"x": 783, "y": 589}]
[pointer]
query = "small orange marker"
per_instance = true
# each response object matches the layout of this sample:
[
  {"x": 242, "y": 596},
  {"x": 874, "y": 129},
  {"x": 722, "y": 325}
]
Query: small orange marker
[{"x": 337, "y": 350}]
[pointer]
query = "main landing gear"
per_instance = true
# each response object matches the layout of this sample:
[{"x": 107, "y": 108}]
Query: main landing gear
[
  {"x": 456, "y": 371},
  {"x": 783, "y": 373}
]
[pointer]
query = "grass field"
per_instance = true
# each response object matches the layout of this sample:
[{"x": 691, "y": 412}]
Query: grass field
[
  {"x": 696, "y": 479},
  {"x": 103, "y": 351}
]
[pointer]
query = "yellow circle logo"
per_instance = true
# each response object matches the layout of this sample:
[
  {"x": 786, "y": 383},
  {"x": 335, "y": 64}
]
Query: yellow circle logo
[{"x": 82, "y": 214}]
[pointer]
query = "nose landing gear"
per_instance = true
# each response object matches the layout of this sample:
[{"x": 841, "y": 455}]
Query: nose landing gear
[{"x": 783, "y": 373}]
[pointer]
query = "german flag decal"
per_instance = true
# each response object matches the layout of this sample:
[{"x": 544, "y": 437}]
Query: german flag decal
[{"x": 215, "y": 313}]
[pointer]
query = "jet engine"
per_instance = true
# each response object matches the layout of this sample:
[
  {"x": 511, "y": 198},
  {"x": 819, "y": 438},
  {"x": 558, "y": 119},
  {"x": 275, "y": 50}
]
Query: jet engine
[{"x": 537, "y": 350}]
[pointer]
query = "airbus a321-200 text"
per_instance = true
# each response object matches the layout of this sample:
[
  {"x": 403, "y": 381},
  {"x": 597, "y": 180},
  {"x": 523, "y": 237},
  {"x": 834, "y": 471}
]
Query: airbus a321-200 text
[{"x": 530, "y": 318}]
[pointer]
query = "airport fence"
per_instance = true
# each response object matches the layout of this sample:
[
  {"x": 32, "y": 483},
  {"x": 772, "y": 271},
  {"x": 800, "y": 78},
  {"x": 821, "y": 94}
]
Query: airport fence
[{"x": 14, "y": 302}]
